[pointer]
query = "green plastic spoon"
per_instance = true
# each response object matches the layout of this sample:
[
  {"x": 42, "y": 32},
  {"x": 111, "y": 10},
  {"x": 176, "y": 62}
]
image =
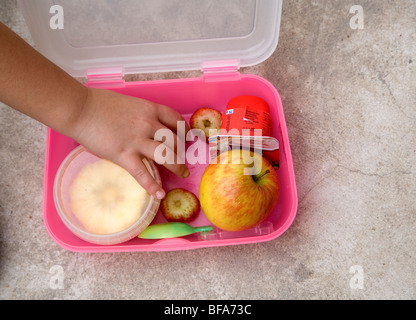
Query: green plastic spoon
[{"x": 171, "y": 230}]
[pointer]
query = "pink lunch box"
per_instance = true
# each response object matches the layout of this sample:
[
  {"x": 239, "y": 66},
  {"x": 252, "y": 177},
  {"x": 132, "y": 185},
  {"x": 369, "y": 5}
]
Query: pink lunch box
[
  {"x": 219, "y": 82},
  {"x": 185, "y": 95}
]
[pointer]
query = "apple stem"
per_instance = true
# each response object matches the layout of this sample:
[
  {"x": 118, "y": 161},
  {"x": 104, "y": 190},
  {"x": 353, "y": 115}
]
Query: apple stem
[{"x": 257, "y": 177}]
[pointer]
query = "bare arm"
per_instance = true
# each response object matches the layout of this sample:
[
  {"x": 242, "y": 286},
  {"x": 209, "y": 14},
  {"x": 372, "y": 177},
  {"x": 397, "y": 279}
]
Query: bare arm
[
  {"x": 36, "y": 87},
  {"x": 113, "y": 126}
]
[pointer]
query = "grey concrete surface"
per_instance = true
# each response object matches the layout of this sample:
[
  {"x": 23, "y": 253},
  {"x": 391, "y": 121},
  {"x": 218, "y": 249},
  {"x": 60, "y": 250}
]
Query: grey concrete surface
[{"x": 350, "y": 104}]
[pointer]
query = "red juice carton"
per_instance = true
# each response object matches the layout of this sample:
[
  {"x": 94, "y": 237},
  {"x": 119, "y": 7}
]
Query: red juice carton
[{"x": 246, "y": 123}]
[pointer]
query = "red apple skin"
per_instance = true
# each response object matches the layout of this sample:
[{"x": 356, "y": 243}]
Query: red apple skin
[{"x": 233, "y": 201}]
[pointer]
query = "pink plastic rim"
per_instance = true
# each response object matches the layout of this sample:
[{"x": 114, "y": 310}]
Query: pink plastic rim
[{"x": 185, "y": 96}]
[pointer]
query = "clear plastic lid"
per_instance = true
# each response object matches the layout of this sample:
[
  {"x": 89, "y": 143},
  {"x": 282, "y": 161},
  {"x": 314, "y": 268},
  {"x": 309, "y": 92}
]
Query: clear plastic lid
[{"x": 145, "y": 36}]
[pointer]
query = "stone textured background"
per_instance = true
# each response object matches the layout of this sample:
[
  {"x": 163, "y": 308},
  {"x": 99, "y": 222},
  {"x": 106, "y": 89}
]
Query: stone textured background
[{"x": 350, "y": 104}]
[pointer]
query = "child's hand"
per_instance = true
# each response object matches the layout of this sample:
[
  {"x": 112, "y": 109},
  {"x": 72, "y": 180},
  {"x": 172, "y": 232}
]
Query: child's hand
[
  {"x": 113, "y": 126},
  {"x": 121, "y": 129}
]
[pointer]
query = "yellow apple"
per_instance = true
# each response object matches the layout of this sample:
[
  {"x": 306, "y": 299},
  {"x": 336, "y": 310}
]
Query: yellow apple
[{"x": 233, "y": 198}]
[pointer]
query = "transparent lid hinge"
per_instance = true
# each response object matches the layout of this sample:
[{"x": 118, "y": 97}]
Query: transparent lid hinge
[
  {"x": 220, "y": 70},
  {"x": 105, "y": 77}
]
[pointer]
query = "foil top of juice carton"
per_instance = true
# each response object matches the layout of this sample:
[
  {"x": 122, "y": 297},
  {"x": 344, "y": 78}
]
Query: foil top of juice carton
[{"x": 221, "y": 143}]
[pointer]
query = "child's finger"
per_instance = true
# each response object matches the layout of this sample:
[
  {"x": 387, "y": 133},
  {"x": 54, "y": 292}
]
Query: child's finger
[
  {"x": 170, "y": 118},
  {"x": 170, "y": 139},
  {"x": 166, "y": 157},
  {"x": 135, "y": 166}
]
